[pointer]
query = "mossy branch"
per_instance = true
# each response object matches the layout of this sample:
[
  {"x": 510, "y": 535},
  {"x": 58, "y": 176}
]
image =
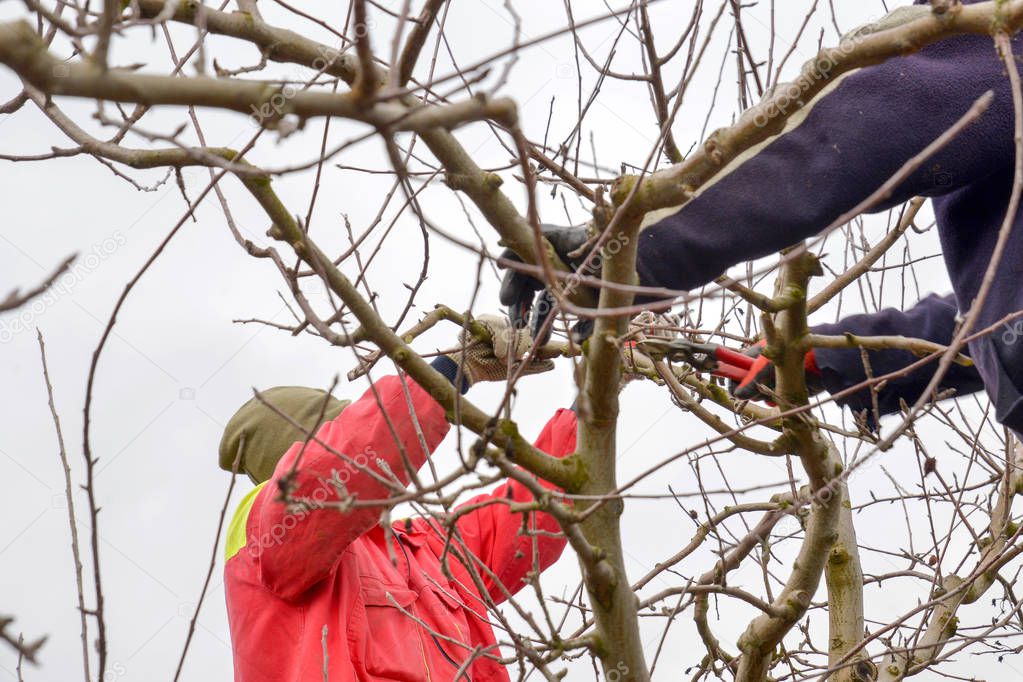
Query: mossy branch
[
  {"x": 786, "y": 338},
  {"x": 613, "y": 603}
]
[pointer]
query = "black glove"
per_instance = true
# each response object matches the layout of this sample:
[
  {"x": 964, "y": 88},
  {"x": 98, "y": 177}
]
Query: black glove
[
  {"x": 518, "y": 289},
  {"x": 762, "y": 374}
]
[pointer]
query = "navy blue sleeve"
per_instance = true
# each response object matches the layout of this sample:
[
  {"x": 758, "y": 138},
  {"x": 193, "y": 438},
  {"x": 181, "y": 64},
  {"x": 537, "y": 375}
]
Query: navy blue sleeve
[
  {"x": 932, "y": 319},
  {"x": 449, "y": 368},
  {"x": 836, "y": 152}
]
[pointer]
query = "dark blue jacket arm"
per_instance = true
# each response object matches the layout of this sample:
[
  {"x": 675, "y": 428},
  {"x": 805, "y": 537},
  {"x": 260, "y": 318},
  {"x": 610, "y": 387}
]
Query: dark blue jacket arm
[
  {"x": 835, "y": 153},
  {"x": 932, "y": 319}
]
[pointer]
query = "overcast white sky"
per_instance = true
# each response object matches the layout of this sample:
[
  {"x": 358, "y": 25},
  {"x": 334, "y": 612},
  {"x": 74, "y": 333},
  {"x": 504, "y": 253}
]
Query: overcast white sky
[{"x": 176, "y": 367}]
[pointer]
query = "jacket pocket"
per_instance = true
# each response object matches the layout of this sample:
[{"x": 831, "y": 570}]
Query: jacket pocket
[
  {"x": 394, "y": 648},
  {"x": 444, "y": 611}
]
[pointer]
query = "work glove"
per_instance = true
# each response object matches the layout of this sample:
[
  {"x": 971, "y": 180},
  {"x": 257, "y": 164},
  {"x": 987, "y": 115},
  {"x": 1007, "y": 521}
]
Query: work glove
[
  {"x": 761, "y": 376},
  {"x": 519, "y": 289},
  {"x": 646, "y": 325},
  {"x": 491, "y": 360}
]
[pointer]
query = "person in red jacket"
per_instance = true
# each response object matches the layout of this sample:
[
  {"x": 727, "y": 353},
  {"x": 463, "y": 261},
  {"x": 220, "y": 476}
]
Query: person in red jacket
[{"x": 333, "y": 593}]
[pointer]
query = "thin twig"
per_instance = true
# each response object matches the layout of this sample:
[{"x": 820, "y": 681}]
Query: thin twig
[{"x": 70, "y": 501}]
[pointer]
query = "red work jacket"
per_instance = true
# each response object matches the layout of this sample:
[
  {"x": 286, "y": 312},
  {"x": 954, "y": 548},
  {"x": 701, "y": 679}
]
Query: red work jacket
[{"x": 322, "y": 589}]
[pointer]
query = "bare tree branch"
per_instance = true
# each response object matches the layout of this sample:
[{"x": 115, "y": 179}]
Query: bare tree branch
[{"x": 16, "y": 298}]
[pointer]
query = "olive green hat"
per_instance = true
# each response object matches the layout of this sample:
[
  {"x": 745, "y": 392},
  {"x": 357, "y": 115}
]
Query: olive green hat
[{"x": 268, "y": 435}]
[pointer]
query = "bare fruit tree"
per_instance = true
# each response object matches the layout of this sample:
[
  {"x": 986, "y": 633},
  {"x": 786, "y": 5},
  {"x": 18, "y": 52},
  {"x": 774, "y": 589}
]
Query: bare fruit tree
[{"x": 783, "y": 581}]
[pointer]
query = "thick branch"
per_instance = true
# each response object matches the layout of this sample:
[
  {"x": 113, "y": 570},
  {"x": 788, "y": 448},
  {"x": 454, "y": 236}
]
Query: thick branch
[
  {"x": 614, "y": 604},
  {"x": 416, "y": 40},
  {"x": 786, "y": 347},
  {"x": 111, "y": 13},
  {"x": 26, "y": 54},
  {"x": 278, "y": 44},
  {"x": 843, "y": 575}
]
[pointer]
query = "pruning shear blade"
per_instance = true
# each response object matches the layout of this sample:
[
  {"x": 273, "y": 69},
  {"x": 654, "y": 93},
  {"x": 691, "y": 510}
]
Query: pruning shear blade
[{"x": 708, "y": 357}]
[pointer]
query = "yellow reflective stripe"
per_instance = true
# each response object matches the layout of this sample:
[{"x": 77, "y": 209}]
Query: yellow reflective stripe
[{"x": 236, "y": 537}]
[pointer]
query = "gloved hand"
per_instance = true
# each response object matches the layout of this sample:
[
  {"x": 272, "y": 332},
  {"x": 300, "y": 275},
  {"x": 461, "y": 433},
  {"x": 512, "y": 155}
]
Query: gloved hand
[
  {"x": 490, "y": 361},
  {"x": 518, "y": 289},
  {"x": 762, "y": 374},
  {"x": 646, "y": 325}
]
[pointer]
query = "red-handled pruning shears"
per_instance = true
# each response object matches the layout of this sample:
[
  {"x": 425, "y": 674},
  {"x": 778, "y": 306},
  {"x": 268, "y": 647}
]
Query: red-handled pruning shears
[{"x": 708, "y": 357}]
